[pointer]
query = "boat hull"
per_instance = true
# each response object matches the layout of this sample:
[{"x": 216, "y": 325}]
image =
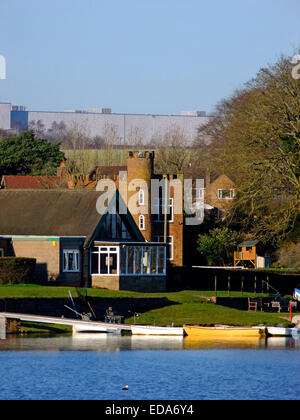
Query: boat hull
[
  {"x": 223, "y": 332},
  {"x": 149, "y": 330},
  {"x": 283, "y": 332}
]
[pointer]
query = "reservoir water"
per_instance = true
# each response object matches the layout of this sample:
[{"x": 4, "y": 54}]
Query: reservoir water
[{"x": 98, "y": 366}]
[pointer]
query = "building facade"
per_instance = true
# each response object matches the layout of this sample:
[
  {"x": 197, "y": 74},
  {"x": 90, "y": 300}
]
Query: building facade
[
  {"x": 76, "y": 245},
  {"x": 147, "y": 126}
]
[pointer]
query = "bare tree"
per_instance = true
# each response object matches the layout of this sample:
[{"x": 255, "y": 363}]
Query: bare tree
[
  {"x": 136, "y": 136},
  {"x": 110, "y": 136},
  {"x": 172, "y": 151}
]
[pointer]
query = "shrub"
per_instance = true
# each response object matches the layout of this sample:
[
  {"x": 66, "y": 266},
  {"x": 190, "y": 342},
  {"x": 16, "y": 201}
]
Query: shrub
[
  {"x": 290, "y": 256},
  {"x": 218, "y": 245},
  {"x": 16, "y": 270}
]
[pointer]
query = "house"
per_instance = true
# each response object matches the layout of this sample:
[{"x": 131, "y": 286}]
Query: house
[
  {"x": 220, "y": 192},
  {"x": 215, "y": 193},
  {"x": 75, "y": 244},
  {"x": 28, "y": 182},
  {"x": 137, "y": 192}
]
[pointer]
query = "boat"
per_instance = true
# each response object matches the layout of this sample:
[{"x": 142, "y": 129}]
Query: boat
[
  {"x": 223, "y": 332},
  {"x": 153, "y": 330},
  {"x": 283, "y": 332}
]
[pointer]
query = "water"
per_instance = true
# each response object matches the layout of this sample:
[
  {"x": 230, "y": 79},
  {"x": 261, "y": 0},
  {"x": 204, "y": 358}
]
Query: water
[{"x": 96, "y": 367}]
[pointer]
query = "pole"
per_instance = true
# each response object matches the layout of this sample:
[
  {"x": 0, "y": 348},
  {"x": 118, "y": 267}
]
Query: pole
[
  {"x": 228, "y": 285},
  {"x": 73, "y": 303},
  {"x": 242, "y": 285},
  {"x": 291, "y": 312},
  {"x": 165, "y": 209},
  {"x": 216, "y": 285},
  {"x": 254, "y": 285}
]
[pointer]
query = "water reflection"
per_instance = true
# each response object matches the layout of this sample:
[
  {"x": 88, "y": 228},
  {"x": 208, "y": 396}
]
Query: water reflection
[
  {"x": 110, "y": 342},
  {"x": 91, "y": 342}
]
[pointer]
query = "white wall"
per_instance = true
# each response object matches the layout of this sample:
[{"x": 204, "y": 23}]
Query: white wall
[{"x": 5, "y": 116}]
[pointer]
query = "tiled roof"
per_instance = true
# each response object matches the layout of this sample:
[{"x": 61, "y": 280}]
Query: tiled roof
[
  {"x": 71, "y": 213},
  {"x": 106, "y": 170},
  {"x": 20, "y": 182}
]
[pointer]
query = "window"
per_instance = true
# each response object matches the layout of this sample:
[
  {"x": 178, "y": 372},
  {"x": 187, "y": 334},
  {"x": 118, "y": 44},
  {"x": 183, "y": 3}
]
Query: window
[
  {"x": 199, "y": 193},
  {"x": 131, "y": 260},
  {"x": 226, "y": 194},
  {"x": 161, "y": 208},
  {"x": 1, "y": 252},
  {"x": 105, "y": 260},
  {"x": 141, "y": 196},
  {"x": 142, "y": 225},
  {"x": 71, "y": 261},
  {"x": 170, "y": 247}
]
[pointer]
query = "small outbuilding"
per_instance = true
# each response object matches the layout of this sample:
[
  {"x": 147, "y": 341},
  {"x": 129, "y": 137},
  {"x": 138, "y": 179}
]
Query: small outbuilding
[{"x": 251, "y": 254}]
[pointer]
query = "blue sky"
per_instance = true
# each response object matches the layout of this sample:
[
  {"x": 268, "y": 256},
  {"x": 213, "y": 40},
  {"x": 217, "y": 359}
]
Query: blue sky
[{"x": 139, "y": 56}]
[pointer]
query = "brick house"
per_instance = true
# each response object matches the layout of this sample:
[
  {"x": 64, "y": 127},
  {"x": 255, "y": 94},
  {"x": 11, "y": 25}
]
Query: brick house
[
  {"x": 140, "y": 166},
  {"x": 216, "y": 193},
  {"x": 75, "y": 244},
  {"x": 220, "y": 192}
]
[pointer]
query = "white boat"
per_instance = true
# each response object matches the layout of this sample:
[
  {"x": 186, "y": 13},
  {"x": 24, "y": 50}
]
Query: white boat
[
  {"x": 151, "y": 330},
  {"x": 283, "y": 332}
]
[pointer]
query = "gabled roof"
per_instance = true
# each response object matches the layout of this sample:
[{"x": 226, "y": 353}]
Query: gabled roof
[
  {"x": 249, "y": 243},
  {"x": 57, "y": 213},
  {"x": 20, "y": 182}
]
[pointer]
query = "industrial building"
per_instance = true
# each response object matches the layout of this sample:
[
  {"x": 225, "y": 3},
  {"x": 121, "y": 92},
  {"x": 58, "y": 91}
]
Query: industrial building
[{"x": 93, "y": 121}]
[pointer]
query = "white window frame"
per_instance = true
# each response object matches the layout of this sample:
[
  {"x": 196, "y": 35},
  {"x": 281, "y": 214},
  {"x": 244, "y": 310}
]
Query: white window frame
[
  {"x": 75, "y": 253},
  {"x": 170, "y": 242},
  {"x": 110, "y": 250},
  {"x": 141, "y": 197},
  {"x": 134, "y": 246},
  {"x": 160, "y": 216},
  {"x": 200, "y": 193},
  {"x": 231, "y": 194},
  {"x": 142, "y": 222}
]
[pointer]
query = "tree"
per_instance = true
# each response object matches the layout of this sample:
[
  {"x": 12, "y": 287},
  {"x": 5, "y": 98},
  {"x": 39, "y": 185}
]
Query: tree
[
  {"x": 25, "y": 154},
  {"x": 290, "y": 256},
  {"x": 173, "y": 154},
  {"x": 111, "y": 137},
  {"x": 255, "y": 139},
  {"x": 218, "y": 245}
]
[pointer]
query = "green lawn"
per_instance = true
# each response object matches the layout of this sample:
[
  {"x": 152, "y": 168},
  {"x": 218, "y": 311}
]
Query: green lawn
[{"x": 187, "y": 307}]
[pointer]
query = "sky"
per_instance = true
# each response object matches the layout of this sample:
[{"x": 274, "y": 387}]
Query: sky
[{"x": 139, "y": 56}]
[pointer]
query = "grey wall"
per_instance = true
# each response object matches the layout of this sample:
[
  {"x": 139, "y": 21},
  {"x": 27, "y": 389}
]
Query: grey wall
[
  {"x": 147, "y": 125},
  {"x": 5, "y": 116}
]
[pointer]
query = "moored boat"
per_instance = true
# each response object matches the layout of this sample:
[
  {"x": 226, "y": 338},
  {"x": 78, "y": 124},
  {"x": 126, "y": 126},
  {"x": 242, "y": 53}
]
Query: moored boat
[
  {"x": 283, "y": 332},
  {"x": 153, "y": 330},
  {"x": 223, "y": 332}
]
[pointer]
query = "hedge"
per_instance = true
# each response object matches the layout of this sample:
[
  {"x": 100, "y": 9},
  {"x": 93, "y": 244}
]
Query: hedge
[{"x": 15, "y": 270}]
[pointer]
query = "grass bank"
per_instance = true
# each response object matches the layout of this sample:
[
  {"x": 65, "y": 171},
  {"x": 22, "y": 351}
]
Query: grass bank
[{"x": 186, "y": 307}]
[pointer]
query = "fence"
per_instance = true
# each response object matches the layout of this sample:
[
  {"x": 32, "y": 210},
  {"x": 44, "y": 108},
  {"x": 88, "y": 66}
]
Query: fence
[{"x": 226, "y": 279}]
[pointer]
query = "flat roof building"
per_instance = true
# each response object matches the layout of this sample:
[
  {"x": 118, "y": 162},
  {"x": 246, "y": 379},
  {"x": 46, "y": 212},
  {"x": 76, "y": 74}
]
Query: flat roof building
[{"x": 94, "y": 120}]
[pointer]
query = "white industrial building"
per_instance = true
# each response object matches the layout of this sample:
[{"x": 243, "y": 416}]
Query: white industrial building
[{"x": 93, "y": 122}]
